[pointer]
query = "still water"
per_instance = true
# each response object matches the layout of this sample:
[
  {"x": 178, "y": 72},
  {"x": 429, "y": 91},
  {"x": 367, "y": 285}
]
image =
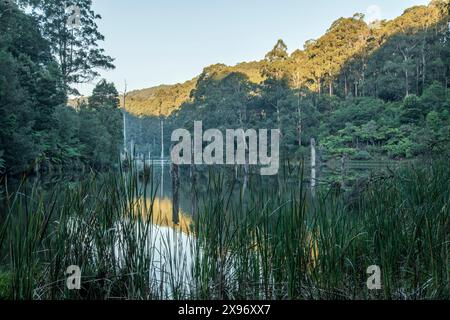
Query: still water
[
  {"x": 329, "y": 175},
  {"x": 172, "y": 249}
]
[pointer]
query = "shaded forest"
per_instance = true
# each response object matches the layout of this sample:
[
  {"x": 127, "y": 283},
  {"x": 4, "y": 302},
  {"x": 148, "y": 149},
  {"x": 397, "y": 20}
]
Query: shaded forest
[{"x": 41, "y": 59}]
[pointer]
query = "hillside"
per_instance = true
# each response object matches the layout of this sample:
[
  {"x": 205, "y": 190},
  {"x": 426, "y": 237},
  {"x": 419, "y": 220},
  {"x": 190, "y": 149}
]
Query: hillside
[
  {"x": 338, "y": 57},
  {"x": 361, "y": 91},
  {"x": 166, "y": 99}
]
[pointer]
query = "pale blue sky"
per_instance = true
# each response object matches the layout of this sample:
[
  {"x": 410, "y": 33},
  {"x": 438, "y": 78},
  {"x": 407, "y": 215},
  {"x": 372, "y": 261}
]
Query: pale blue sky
[{"x": 170, "y": 41}]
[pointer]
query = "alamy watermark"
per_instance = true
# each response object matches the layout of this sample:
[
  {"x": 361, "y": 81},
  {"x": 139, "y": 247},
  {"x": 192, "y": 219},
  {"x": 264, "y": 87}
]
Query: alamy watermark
[
  {"x": 374, "y": 16},
  {"x": 74, "y": 278},
  {"x": 374, "y": 280},
  {"x": 239, "y": 148},
  {"x": 74, "y": 19}
]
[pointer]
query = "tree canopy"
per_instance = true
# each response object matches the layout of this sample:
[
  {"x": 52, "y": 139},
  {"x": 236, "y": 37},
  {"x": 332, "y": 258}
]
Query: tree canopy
[{"x": 37, "y": 130}]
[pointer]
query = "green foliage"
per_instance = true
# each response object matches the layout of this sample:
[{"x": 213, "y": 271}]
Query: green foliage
[
  {"x": 356, "y": 90},
  {"x": 5, "y": 286},
  {"x": 339, "y": 145},
  {"x": 400, "y": 57},
  {"x": 401, "y": 148},
  {"x": 362, "y": 155},
  {"x": 76, "y": 48},
  {"x": 433, "y": 121},
  {"x": 37, "y": 130},
  {"x": 279, "y": 52},
  {"x": 412, "y": 110},
  {"x": 104, "y": 95},
  {"x": 101, "y": 126},
  {"x": 435, "y": 98},
  {"x": 29, "y": 90},
  {"x": 166, "y": 100}
]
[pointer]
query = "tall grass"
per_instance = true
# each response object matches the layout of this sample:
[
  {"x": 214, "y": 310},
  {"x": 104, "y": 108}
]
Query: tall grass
[{"x": 276, "y": 242}]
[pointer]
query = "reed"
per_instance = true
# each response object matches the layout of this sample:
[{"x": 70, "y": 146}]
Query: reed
[{"x": 245, "y": 242}]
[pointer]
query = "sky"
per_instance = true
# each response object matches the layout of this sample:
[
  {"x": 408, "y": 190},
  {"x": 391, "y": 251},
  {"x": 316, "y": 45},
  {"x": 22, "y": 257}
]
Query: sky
[{"x": 170, "y": 41}]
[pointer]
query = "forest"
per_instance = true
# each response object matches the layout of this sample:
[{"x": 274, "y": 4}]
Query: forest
[
  {"x": 39, "y": 64},
  {"x": 362, "y": 91},
  {"x": 126, "y": 229}
]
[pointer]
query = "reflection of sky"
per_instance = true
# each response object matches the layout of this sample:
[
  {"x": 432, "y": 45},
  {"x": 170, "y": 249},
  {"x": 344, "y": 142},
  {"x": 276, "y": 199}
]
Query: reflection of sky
[{"x": 170, "y": 41}]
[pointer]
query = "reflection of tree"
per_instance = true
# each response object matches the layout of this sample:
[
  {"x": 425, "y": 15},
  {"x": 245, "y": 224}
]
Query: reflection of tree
[{"x": 162, "y": 210}]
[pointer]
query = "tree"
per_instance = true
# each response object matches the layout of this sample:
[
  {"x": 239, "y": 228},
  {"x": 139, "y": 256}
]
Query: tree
[
  {"x": 434, "y": 97},
  {"x": 433, "y": 121},
  {"x": 30, "y": 90},
  {"x": 278, "y": 53},
  {"x": 75, "y": 47},
  {"x": 96, "y": 142},
  {"x": 104, "y": 95},
  {"x": 37, "y": 130},
  {"x": 412, "y": 110},
  {"x": 298, "y": 77},
  {"x": 104, "y": 104}
]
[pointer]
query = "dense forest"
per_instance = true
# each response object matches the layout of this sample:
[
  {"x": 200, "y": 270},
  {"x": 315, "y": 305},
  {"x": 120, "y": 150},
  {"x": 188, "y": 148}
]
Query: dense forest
[
  {"x": 363, "y": 91},
  {"x": 41, "y": 58},
  {"x": 130, "y": 231}
]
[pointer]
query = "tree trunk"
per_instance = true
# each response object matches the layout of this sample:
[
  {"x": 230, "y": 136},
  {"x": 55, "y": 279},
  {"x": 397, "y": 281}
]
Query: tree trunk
[
  {"x": 343, "y": 171},
  {"x": 313, "y": 163},
  {"x": 278, "y": 116},
  {"x": 407, "y": 81},
  {"x": 417, "y": 79},
  {"x": 193, "y": 184},
  {"x": 125, "y": 120},
  {"x": 175, "y": 194},
  {"x": 345, "y": 87},
  {"x": 124, "y": 132},
  {"x": 162, "y": 140},
  {"x": 299, "y": 125},
  {"x": 132, "y": 149},
  {"x": 424, "y": 67}
]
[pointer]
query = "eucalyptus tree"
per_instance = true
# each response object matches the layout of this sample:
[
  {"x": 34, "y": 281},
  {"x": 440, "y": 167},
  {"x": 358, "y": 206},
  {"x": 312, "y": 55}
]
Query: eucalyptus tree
[{"x": 70, "y": 26}]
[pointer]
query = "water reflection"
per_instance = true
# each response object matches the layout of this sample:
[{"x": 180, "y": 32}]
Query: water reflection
[
  {"x": 170, "y": 253},
  {"x": 161, "y": 212}
]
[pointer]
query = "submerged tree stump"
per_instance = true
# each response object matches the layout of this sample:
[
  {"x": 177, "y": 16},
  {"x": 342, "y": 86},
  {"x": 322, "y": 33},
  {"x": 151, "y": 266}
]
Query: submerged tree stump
[{"x": 175, "y": 194}]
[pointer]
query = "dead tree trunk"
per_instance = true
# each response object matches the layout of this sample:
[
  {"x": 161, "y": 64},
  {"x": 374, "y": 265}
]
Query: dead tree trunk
[
  {"x": 193, "y": 184},
  {"x": 175, "y": 194},
  {"x": 343, "y": 171},
  {"x": 313, "y": 163}
]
